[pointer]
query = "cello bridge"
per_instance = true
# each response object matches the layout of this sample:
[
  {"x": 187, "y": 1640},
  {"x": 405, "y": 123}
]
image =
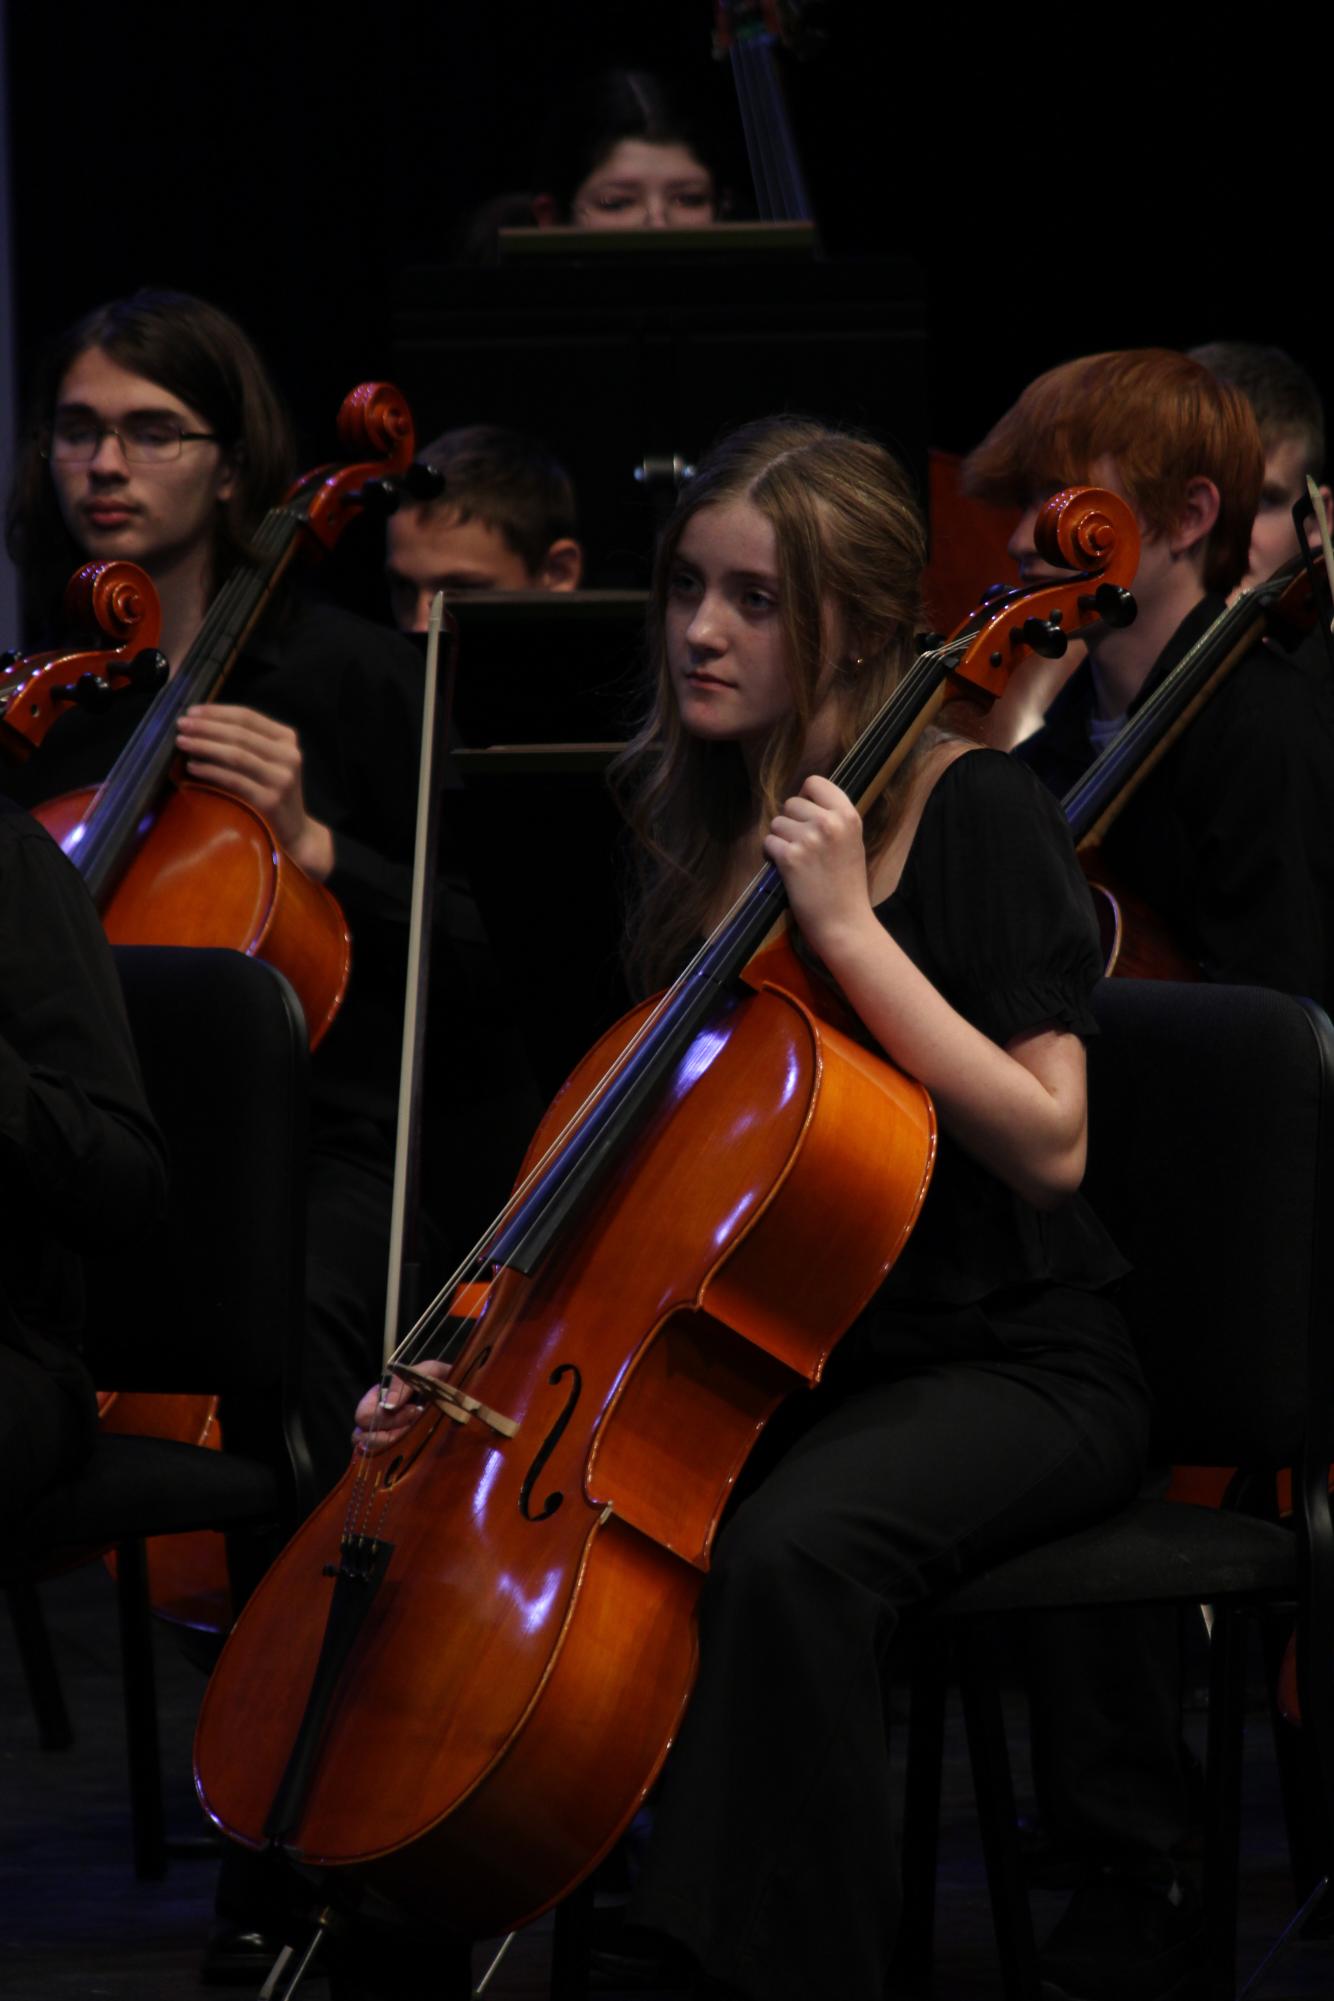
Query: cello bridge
[{"x": 456, "y": 1404}]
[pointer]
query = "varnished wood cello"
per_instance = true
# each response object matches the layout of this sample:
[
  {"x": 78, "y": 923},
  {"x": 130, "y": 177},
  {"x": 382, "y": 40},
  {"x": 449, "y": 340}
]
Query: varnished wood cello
[
  {"x": 186, "y": 864},
  {"x": 483, "y": 1644},
  {"x": 113, "y": 601},
  {"x": 180, "y": 863},
  {"x": 1136, "y": 942}
]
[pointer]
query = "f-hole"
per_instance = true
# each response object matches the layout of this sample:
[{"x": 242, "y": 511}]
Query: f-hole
[
  {"x": 482, "y": 1356},
  {"x": 548, "y": 1446}
]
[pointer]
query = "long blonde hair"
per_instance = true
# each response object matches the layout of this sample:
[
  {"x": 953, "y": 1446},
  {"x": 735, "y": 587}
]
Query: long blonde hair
[{"x": 849, "y": 540}]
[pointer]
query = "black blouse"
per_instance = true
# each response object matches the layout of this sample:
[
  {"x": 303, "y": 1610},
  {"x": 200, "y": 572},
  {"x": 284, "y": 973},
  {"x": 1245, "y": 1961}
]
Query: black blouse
[{"x": 992, "y": 907}]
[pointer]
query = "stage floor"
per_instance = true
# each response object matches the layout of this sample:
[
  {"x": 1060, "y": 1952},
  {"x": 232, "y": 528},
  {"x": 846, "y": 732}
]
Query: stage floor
[{"x": 76, "y": 1926}]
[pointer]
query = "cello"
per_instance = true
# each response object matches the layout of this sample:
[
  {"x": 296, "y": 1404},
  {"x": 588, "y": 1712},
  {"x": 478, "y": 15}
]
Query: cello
[
  {"x": 209, "y": 870},
  {"x": 182, "y": 863},
  {"x": 510, "y": 1594},
  {"x": 1136, "y": 942},
  {"x": 119, "y": 603}
]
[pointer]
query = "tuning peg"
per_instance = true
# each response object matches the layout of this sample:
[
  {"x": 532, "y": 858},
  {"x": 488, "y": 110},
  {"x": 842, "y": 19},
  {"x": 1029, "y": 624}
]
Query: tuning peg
[
  {"x": 10, "y": 658},
  {"x": 148, "y": 670},
  {"x": 378, "y": 496},
  {"x": 1044, "y": 636},
  {"x": 1114, "y": 605},
  {"x": 90, "y": 691},
  {"x": 423, "y": 482},
  {"x": 927, "y": 642}
]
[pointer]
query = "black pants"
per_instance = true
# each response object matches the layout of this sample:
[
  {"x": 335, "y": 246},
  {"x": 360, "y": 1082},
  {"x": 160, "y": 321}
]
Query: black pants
[
  {"x": 48, "y": 1423},
  {"x": 1105, "y": 1699},
  {"x": 772, "y": 1855}
]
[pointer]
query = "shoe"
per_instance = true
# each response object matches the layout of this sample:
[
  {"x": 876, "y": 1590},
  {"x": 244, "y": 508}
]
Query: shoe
[
  {"x": 626, "y": 1955},
  {"x": 1121, "y": 1939},
  {"x": 238, "y": 1955}
]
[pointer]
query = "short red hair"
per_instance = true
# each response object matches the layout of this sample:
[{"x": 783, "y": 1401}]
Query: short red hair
[{"x": 1162, "y": 419}]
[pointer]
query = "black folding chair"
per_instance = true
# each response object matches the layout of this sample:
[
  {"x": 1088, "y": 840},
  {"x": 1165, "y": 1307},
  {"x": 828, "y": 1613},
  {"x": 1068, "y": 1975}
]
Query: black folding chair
[{"x": 1212, "y": 1162}]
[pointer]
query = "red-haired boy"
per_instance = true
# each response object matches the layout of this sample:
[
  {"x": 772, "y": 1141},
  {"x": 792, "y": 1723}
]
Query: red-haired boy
[{"x": 1230, "y": 839}]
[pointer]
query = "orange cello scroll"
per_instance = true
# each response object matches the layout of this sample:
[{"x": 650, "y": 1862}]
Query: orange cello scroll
[
  {"x": 177, "y": 863},
  {"x": 462, "y": 1676},
  {"x": 118, "y": 602}
]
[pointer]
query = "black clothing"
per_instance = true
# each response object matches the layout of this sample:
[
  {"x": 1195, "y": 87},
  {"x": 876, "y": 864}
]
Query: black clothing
[
  {"x": 1005, "y": 931},
  {"x": 81, "y": 1163},
  {"x": 353, "y": 693},
  {"x": 977, "y": 1406},
  {"x": 1230, "y": 840}
]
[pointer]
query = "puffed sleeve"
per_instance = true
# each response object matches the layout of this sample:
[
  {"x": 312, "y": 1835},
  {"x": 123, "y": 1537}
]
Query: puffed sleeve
[{"x": 1006, "y": 918}]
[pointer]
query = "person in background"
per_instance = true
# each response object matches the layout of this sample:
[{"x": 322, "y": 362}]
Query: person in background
[
  {"x": 157, "y": 436},
  {"x": 623, "y": 155},
  {"x": 506, "y": 521},
  {"x": 1228, "y": 840},
  {"x": 617, "y": 152},
  {"x": 1291, "y": 418}
]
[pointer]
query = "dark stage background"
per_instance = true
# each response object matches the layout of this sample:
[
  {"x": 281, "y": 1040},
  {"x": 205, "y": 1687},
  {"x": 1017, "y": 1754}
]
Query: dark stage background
[{"x": 291, "y": 161}]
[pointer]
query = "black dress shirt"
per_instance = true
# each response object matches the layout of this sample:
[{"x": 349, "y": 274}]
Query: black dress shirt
[{"x": 1231, "y": 838}]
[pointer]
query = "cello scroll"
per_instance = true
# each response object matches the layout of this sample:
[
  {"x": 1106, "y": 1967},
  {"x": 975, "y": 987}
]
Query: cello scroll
[
  {"x": 1091, "y": 533},
  {"x": 115, "y": 600}
]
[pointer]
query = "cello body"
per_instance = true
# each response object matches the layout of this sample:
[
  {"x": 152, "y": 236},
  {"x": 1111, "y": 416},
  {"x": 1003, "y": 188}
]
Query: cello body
[
  {"x": 212, "y": 874},
  {"x": 1136, "y": 943},
  {"x": 519, "y": 1675}
]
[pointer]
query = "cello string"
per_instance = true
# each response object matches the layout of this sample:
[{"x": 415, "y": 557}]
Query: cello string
[
  {"x": 140, "y": 754},
  {"x": 475, "y": 1265},
  {"x": 766, "y": 193},
  {"x": 771, "y": 119},
  {"x": 750, "y": 134},
  {"x": 929, "y": 667}
]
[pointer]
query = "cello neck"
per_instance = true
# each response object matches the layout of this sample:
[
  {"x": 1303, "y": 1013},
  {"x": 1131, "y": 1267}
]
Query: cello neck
[
  {"x": 111, "y": 827},
  {"x": 1286, "y": 599},
  {"x": 1083, "y": 526},
  {"x": 559, "y": 1185},
  {"x": 374, "y": 419}
]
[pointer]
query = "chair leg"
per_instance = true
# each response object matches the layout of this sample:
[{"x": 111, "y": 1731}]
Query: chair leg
[
  {"x": 571, "y": 1945},
  {"x": 1222, "y": 1834},
  {"x": 38, "y": 1662},
  {"x": 994, "y": 1789},
  {"x": 1305, "y": 1811},
  {"x": 140, "y": 1698},
  {"x": 914, "y": 1946}
]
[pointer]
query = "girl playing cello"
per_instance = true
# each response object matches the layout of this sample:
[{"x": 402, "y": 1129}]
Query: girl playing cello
[{"x": 988, "y": 1396}]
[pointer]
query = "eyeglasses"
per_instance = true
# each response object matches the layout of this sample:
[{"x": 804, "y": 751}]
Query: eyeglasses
[{"x": 73, "y": 441}]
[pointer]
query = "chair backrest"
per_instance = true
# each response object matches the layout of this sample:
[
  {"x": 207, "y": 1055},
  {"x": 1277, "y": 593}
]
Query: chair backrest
[
  {"x": 1211, "y": 1160},
  {"x": 213, "y": 1300}
]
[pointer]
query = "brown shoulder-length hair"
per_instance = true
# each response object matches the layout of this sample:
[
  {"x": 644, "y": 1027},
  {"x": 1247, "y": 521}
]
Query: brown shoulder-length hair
[
  {"x": 196, "y": 352},
  {"x": 1162, "y": 419},
  {"x": 850, "y": 547}
]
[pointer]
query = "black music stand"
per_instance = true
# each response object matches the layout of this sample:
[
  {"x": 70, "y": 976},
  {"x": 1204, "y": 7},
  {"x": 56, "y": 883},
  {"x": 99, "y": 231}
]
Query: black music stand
[{"x": 617, "y": 360}]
